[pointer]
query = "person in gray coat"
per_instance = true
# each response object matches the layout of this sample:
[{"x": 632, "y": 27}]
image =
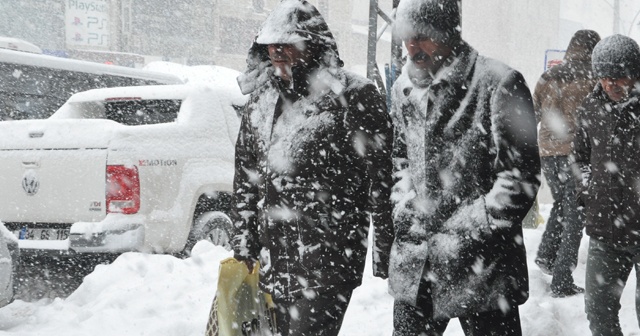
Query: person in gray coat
[{"x": 466, "y": 168}]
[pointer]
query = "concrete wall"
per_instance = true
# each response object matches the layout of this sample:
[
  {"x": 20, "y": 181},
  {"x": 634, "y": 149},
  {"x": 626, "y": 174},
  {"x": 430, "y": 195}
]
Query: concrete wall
[{"x": 515, "y": 32}]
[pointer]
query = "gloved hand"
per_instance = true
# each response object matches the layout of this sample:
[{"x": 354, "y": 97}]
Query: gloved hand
[{"x": 247, "y": 261}]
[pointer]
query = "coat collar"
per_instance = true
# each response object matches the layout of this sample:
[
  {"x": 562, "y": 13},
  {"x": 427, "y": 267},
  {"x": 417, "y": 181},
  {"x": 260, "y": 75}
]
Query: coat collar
[{"x": 450, "y": 81}]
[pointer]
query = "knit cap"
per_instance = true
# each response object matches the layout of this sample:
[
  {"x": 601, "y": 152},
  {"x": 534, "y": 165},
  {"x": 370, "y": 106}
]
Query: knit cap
[
  {"x": 438, "y": 20},
  {"x": 616, "y": 56}
]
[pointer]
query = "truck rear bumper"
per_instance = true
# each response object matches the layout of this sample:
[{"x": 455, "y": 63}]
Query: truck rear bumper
[
  {"x": 116, "y": 234},
  {"x": 86, "y": 239}
]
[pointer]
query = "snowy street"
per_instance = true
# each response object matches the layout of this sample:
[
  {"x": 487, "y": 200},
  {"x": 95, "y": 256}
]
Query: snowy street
[
  {"x": 140, "y": 141},
  {"x": 140, "y": 294}
]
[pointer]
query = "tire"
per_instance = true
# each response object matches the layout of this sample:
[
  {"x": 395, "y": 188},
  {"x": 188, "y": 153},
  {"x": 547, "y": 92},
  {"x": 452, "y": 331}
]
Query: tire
[
  {"x": 210, "y": 222},
  {"x": 214, "y": 226},
  {"x": 7, "y": 268}
]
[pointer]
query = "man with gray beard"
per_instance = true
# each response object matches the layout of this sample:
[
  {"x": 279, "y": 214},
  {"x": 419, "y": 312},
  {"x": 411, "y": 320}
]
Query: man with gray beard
[{"x": 466, "y": 160}]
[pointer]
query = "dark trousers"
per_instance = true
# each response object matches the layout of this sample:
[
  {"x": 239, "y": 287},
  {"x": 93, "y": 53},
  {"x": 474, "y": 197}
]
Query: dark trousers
[
  {"x": 321, "y": 315},
  {"x": 412, "y": 321},
  {"x": 608, "y": 269},
  {"x": 417, "y": 320},
  {"x": 561, "y": 238}
]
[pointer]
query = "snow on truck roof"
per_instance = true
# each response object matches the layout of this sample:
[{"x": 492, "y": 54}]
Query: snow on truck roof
[
  {"x": 219, "y": 78},
  {"x": 214, "y": 75},
  {"x": 230, "y": 96},
  {"x": 46, "y": 61}
]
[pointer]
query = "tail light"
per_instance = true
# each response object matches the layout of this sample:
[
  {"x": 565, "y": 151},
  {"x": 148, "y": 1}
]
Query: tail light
[{"x": 123, "y": 189}]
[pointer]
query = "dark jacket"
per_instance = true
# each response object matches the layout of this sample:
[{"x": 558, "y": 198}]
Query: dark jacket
[
  {"x": 560, "y": 92},
  {"x": 313, "y": 161},
  {"x": 467, "y": 158},
  {"x": 606, "y": 150}
]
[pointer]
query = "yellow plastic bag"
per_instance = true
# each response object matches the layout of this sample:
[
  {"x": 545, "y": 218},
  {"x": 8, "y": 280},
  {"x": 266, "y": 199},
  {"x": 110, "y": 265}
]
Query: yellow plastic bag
[
  {"x": 240, "y": 308},
  {"x": 533, "y": 219}
]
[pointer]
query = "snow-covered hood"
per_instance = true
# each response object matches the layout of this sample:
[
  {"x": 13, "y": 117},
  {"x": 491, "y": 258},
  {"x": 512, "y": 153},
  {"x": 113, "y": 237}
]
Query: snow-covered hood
[
  {"x": 581, "y": 46},
  {"x": 291, "y": 22}
]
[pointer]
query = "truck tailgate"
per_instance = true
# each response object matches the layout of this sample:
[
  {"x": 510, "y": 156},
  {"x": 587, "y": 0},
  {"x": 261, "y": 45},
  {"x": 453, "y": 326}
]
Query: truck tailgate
[
  {"x": 52, "y": 186},
  {"x": 49, "y": 177}
]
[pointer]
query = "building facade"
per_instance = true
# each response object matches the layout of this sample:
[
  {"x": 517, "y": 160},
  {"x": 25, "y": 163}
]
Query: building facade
[
  {"x": 236, "y": 24},
  {"x": 134, "y": 32}
]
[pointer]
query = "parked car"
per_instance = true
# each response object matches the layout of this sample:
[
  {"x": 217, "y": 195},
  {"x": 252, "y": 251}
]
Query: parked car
[
  {"x": 146, "y": 168},
  {"x": 9, "y": 259}
]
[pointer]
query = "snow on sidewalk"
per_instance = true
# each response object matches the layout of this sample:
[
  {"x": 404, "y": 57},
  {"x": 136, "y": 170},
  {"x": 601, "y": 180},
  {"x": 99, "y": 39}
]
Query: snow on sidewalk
[{"x": 140, "y": 294}]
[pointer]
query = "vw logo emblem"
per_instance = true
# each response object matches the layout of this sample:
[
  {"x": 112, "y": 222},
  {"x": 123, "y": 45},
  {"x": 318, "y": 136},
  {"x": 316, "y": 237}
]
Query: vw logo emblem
[{"x": 30, "y": 183}]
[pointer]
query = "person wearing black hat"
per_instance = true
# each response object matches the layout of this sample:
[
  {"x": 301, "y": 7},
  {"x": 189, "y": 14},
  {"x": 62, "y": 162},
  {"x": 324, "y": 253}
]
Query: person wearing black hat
[
  {"x": 313, "y": 171},
  {"x": 605, "y": 150},
  {"x": 467, "y": 165},
  {"x": 558, "y": 95}
]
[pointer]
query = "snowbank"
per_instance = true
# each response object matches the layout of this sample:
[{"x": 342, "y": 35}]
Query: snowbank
[{"x": 141, "y": 294}]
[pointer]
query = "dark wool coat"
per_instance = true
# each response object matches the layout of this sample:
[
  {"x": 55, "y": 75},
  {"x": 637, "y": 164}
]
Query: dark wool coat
[
  {"x": 560, "y": 92},
  {"x": 467, "y": 163},
  {"x": 313, "y": 162},
  {"x": 606, "y": 149}
]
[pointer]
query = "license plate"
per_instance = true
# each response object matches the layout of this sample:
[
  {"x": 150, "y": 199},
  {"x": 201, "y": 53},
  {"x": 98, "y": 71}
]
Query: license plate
[{"x": 42, "y": 234}]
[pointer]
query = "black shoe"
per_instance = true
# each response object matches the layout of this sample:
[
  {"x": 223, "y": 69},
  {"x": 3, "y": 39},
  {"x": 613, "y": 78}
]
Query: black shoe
[
  {"x": 566, "y": 291},
  {"x": 545, "y": 265}
]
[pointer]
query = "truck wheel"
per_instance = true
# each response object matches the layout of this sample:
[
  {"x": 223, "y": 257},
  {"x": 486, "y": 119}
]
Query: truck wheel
[
  {"x": 210, "y": 222},
  {"x": 215, "y": 226}
]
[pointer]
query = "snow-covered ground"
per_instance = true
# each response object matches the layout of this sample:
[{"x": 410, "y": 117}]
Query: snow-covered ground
[{"x": 141, "y": 294}]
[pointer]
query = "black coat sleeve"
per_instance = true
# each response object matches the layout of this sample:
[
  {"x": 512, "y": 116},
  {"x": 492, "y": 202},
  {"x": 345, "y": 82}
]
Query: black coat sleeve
[
  {"x": 581, "y": 155},
  {"x": 517, "y": 162},
  {"x": 375, "y": 125},
  {"x": 244, "y": 203}
]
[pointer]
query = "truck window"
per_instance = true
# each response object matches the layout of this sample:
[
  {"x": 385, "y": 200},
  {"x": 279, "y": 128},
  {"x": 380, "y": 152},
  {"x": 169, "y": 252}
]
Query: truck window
[
  {"x": 25, "y": 93},
  {"x": 142, "y": 112},
  {"x": 35, "y": 86}
]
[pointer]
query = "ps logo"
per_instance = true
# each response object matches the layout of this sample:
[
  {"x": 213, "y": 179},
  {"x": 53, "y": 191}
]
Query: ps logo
[{"x": 30, "y": 183}]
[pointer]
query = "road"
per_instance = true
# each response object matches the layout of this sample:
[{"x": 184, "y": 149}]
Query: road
[{"x": 47, "y": 276}]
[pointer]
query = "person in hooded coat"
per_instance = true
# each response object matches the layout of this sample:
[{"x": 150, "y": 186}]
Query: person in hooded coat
[
  {"x": 556, "y": 99},
  {"x": 466, "y": 161},
  {"x": 605, "y": 148},
  {"x": 313, "y": 164}
]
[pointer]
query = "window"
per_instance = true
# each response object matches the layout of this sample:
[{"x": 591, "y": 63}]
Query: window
[
  {"x": 35, "y": 86},
  {"x": 142, "y": 112},
  {"x": 26, "y": 93}
]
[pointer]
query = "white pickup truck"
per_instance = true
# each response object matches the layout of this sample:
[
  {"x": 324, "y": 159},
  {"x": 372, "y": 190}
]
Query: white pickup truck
[{"x": 146, "y": 168}]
